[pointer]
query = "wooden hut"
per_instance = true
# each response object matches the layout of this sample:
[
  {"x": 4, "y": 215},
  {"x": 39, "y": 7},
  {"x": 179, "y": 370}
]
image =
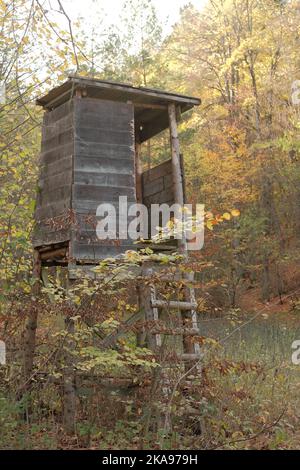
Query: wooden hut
[{"x": 90, "y": 154}]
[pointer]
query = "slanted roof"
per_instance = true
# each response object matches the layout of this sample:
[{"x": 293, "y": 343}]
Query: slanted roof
[{"x": 151, "y": 113}]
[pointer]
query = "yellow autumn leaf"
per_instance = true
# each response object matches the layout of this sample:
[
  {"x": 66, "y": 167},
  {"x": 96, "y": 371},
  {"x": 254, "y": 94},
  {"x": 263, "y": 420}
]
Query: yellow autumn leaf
[
  {"x": 209, "y": 225},
  {"x": 235, "y": 213},
  {"x": 226, "y": 216}
]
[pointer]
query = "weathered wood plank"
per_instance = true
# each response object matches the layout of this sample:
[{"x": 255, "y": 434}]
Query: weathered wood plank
[
  {"x": 102, "y": 122},
  {"x": 103, "y": 136},
  {"x": 56, "y": 209},
  {"x": 102, "y": 150},
  {"x": 54, "y": 195},
  {"x": 103, "y": 179},
  {"x": 58, "y": 112},
  {"x": 51, "y": 169},
  {"x": 89, "y": 237},
  {"x": 153, "y": 187},
  {"x": 159, "y": 198},
  {"x": 105, "y": 112},
  {"x": 46, "y": 228},
  {"x": 105, "y": 132},
  {"x": 168, "y": 181},
  {"x": 54, "y": 235},
  {"x": 103, "y": 165},
  {"x": 51, "y": 182},
  {"x": 163, "y": 169},
  {"x": 60, "y": 139},
  {"x": 90, "y": 207},
  {"x": 99, "y": 193},
  {"x": 86, "y": 252},
  {"x": 173, "y": 304},
  {"x": 57, "y": 154},
  {"x": 57, "y": 127},
  {"x": 60, "y": 236},
  {"x": 101, "y": 113}
]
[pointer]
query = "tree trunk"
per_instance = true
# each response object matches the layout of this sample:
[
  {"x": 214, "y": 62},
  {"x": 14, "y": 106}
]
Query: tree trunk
[
  {"x": 69, "y": 378},
  {"x": 69, "y": 381},
  {"x": 31, "y": 325}
]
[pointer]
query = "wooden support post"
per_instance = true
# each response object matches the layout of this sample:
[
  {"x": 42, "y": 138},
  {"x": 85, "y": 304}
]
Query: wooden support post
[
  {"x": 183, "y": 177},
  {"x": 69, "y": 381},
  {"x": 31, "y": 325},
  {"x": 141, "y": 336},
  {"x": 176, "y": 169},
  {"x": 80, "y": 92},
  {"x": 69, "y": 378},
  {"x": 190, "y": 347},
  {"x": 138, "y": 173},
  {"x": 153, "y": 342},
  {"x": 169, "y": 304},
  {"x": 145, "y": 296}
]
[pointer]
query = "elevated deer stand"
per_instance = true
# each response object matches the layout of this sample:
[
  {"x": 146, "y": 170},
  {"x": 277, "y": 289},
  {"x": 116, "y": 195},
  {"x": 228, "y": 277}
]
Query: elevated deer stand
[{"x": 91, "y": 138}]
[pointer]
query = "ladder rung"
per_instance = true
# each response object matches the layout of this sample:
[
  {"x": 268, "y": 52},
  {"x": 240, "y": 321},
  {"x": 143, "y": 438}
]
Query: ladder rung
[
  {"x": 171, "y": 277},
  {"x": 175, "y": 278},
  {"x": 178, "y": 332},
  {"x": 190, "y": 357},
  {"x": 173, "y": 304}
]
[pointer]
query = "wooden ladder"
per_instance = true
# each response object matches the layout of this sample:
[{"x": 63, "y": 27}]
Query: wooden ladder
[{"x": 152, "y": 306}]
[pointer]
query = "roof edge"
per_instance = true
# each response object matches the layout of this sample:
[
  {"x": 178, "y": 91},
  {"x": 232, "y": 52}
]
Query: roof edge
[{"x": 76, "y": 81}]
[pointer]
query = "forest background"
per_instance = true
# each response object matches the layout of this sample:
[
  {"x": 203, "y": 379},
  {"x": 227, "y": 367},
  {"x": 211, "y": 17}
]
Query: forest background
[{"x": 242, "y": 155}]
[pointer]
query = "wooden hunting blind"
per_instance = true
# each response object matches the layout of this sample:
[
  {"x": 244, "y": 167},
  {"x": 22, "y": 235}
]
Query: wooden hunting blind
[
  {"x": 90, "y": 150},
  {"x": 90, "y": 155}
]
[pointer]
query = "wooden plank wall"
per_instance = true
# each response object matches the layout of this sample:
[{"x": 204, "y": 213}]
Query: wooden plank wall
[
  {"x": 103, "y": 171},
  {"x": 157, "y": 186},
  {"x": 55, "y": 182}
]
